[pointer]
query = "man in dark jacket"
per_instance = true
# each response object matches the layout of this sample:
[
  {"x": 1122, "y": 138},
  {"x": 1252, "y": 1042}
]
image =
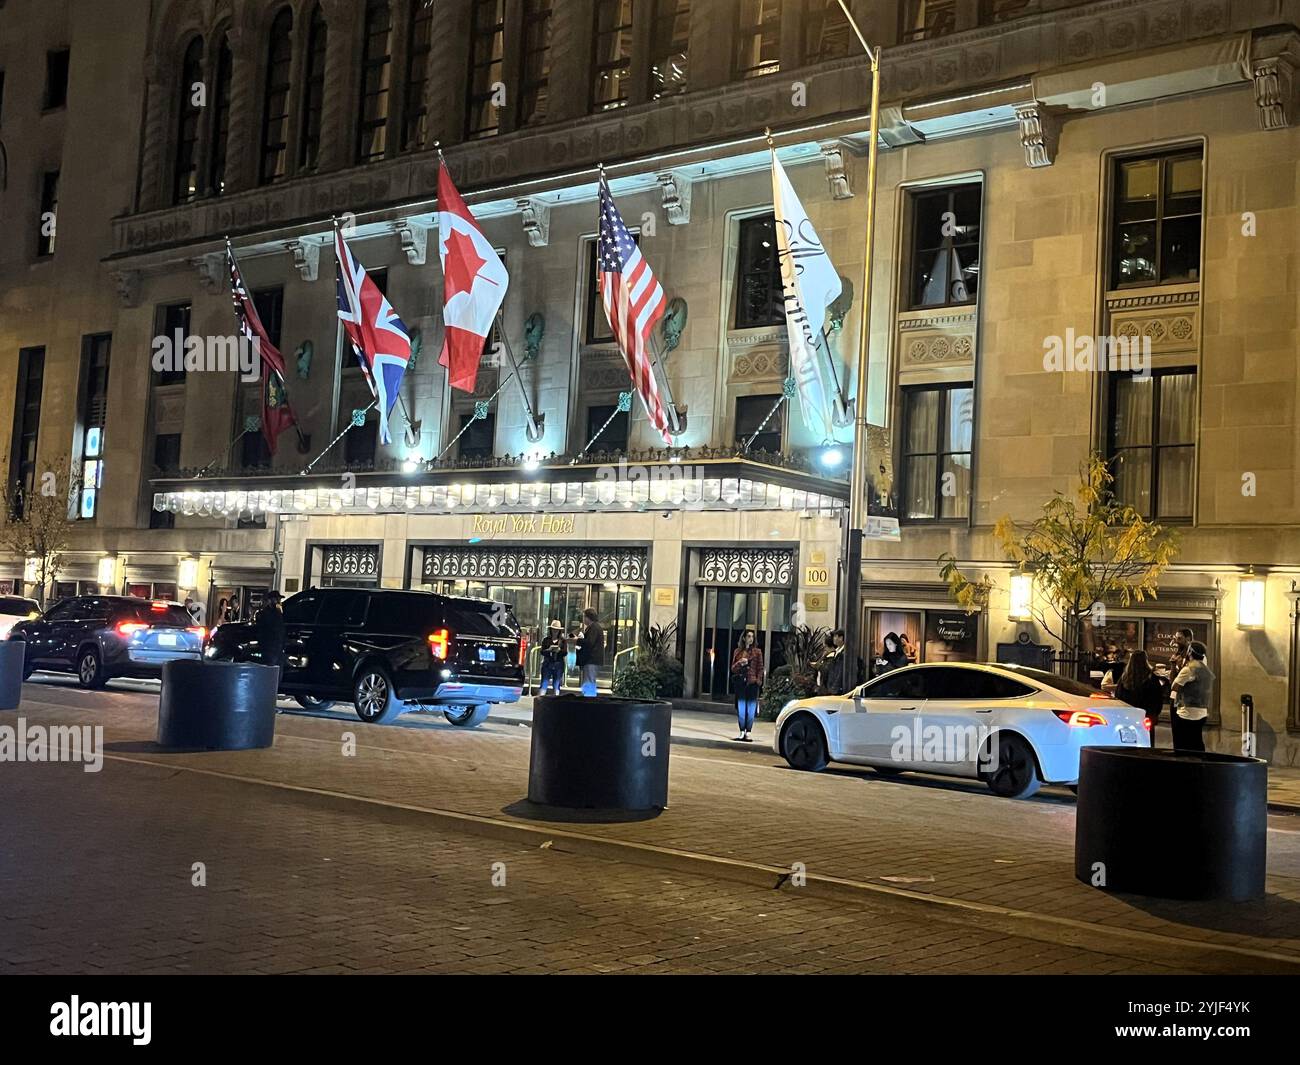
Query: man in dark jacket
[
  {"x": 591, "y": 655},
  {"x": 270, "y": 631}
]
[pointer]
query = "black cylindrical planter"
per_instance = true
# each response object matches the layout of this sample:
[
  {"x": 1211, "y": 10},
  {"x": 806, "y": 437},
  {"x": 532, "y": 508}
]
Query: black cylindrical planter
[
  {"x": 11, "y": 673},
  {"x": 221, "y": 706},
  {"x": 1208, "y": 840},
  {"x": 602, "y": 753}
]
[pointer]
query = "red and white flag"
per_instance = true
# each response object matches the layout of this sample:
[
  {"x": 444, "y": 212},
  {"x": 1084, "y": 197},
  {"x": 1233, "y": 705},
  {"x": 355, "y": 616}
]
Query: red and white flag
[
  {"x": 634, "y": 302},
  {"x": 474, "y": 282}
]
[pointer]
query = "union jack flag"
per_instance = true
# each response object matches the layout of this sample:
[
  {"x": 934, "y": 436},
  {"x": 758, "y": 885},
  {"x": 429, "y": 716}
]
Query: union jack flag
[
  {"x": 379, "y": 337},
  {"x": 634, "y": 303}
]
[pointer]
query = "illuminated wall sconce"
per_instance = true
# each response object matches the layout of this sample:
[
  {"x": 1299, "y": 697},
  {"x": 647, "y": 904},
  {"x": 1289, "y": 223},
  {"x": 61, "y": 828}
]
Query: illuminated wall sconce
[
  {"x": 187, "y": 577},
  {"x": 1022, "y": 597},
  {"x": 107, "y": 571},
  {"x": 1250, "y": 601}
]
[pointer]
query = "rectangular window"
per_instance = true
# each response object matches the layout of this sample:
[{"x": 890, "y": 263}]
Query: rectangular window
[
  {"x": 2, "y": 97},
  {"x": 487, "y": 49},
  {"x": 167, "y": 453},
  {"x": 827, "y": 34},
  {"x": 924, "y": 19},
  {"x": 56, "y": 78},
  {"x": 613, "y": 61},
  {"x": 1156, "y": 220},
  {"x": 759, "y": 293},
  {"x": 49, "y": 217},
  {"x": 275, "y": 112},
  {"x": 945, "y": 246},
  {"x": 1153, "y": 442},
  {"x": 220, "y": 100},
  {"x": 313, "y": 94},
  {"x": 415, "y": 125},
  {"x": 534, "y": 82},
  {"x": 598, "y": 331},
  {"x": 750, "y": 414},
  {"x": 92, "y": 404},
  {"x": 269, "y": 303},
  {"x": 361, "y": 444},
  {"x": 172, "y": 324},
  {"x": 614, "y": 438},
  {"x": 253, "y": 452},
  {"x": 479, "y": 438},
  {"x": 937, "y": 435},
  {"x": 670, "y": 36},
  {"x": 758, "y": 38},
  {"x": 27, "y": 425},
  {"x": 376, "y": 72}
]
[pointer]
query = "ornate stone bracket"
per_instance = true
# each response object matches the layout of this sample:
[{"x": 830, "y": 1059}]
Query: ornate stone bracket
[
  {"x": 415, "y": 240},
  {"x": 306, "y": 258},
  {"x": 128, "y": 287},
  {"x": 836, "y": 179},
  {"x": 1275, "y": 91},
  {"x": 676, "y": 191},
  {"x": 212, "y": 272},
  {"x": 1040, "y": 132},
  {"x": 536, "y": 217}
]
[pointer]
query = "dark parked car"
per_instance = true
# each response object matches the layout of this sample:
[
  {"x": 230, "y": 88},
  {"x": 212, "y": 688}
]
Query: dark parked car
[
  {"x": 99, "y": 637},
  {"x": 391, "y": 651}
]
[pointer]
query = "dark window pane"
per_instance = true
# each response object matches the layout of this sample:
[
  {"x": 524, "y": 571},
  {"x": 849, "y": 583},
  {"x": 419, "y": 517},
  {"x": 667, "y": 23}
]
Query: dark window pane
[
  {"x": 750, "y": 414},
  {"x": 301, "y": 609},
  {"x": 760, "y": 297},
  {"x": 1156, "y": 220},
  {"x": 56, "y": 78},
  {"x": 479, "y": 438}
]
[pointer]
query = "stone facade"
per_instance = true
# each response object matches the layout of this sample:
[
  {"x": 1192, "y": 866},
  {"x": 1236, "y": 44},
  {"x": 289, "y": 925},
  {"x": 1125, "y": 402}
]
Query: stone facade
[{"x": 1012, "y": 105}]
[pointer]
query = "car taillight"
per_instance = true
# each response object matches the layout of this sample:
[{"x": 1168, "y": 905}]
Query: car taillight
[
  {"x": 198, "y": 631},
  {"x": 1146, "y": 724},
  {"x": 440, "y": 643},
  {"x": 125, "y": 628},
  {"x": 1080, "y": 718},
  {"x": 523, "y": 649}
]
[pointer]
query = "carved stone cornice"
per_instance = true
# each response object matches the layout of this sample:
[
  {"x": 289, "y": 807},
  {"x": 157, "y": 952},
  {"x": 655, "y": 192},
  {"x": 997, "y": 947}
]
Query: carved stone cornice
[
  {"x": 675, "y": 188},
  {"x": 536, "y": 217},
  {"x": 414, "y": 237},
  {"x": 1277, "y": 87},
  {"x": 212, "y": 271},
  {"x": 1040, "y": 132},
  {"x": 306, "y": 258},
  {"x": 836, "y": 178}
]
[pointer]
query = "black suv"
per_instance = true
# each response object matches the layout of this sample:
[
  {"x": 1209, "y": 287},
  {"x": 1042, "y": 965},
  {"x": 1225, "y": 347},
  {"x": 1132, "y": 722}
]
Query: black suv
[
  {"x": 99, "y": 637},
  {"x": 391, "y": 651}
]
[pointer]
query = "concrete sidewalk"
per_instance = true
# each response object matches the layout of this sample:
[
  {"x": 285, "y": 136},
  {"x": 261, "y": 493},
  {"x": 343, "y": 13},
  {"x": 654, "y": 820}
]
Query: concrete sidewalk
[{"x": 696, "y": 728}]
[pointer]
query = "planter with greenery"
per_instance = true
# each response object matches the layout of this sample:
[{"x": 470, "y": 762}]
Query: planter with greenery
[
  {"x": 797, "y": 679},
  {"x": 654, "y": 672}
]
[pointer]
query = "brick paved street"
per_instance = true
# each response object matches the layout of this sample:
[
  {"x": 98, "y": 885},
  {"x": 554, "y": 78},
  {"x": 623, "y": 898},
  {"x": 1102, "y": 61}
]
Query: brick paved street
[{"x": 384, "y": 861}]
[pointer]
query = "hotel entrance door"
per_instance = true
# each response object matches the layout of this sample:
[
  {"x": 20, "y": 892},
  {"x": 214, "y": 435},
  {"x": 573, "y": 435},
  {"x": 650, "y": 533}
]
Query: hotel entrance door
[{"x": 725, "y": 613}]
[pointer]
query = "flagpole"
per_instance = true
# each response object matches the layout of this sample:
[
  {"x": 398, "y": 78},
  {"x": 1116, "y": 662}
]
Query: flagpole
[
  {"x": 851, "y": 607},
  {"x": 536, "y": 425},
  {"x": 351, "y": 425}
]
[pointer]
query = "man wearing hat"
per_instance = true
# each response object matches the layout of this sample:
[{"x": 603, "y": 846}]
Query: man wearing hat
[
  {"x": 1191, "y": 693},
  {"x": 553, "y": 650},
  {"x": 270, "y": 630}
]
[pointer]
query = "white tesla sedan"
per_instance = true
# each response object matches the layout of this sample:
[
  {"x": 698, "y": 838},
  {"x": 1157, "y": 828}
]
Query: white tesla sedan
[{"x": 1012, "y": 727}]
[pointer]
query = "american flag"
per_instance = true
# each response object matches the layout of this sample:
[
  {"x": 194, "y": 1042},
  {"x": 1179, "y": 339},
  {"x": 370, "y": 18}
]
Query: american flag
[
  {"x": 634, "y": 303},
  {"x": 277, "y": 415}
]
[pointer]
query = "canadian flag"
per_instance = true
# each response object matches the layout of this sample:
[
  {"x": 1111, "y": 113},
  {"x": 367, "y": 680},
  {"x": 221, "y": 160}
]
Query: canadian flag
[{"x": 474, "y": 282}]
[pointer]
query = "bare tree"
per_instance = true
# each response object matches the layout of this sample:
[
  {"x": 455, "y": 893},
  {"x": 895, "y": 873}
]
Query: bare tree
[{"x": 38, "y": 524}]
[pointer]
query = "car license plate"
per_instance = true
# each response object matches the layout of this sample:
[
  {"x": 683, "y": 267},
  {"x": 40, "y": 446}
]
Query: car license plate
[
  {"x": 487, "y": 654},
  {"x": 167, "y": 639},
  {"x": 1128, "y": 735}
]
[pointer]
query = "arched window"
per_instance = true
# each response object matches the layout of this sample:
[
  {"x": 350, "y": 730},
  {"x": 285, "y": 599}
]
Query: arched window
[
  {"x": 313, "y": 92},
  {"x": 220, "y": 104},
  {"x": 419, "y": 46},
  {"x": 275, "y": 109},
  {"x": 185, "y": 180},
  {"x": 372, "y": 126}
]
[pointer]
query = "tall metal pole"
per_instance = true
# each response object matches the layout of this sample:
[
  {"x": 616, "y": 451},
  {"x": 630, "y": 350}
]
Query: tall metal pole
[{"x": 851, "y": 607}]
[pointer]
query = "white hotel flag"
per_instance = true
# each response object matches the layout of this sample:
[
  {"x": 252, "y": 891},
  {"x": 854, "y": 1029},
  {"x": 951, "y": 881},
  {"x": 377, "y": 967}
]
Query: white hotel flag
[{"x": 811, "y": 285}]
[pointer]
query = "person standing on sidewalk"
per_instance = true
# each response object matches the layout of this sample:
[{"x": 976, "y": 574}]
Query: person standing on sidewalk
[
  {"x": 746, "y": 682},
  {"x": 591, "y": 655},
  {"x": 553, "y": 649},
  {"x": 832, "y": 667},
  {"x": 1192, "y": 688},
  {"x": 270, "y": 631},
  {"x": 1139, "y": 686}
]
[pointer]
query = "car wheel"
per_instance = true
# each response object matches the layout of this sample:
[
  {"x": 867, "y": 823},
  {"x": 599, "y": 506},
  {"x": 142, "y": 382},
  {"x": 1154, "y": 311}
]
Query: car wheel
[
  {"x": 374, "y": 699},
  {"x": 804, "y": 744},
  {"x": 1015, "y": 776},
  {"x": 467, "y": 716},
  {"x": 90, "y": 670},
  {"x": 308, "y": 702}
]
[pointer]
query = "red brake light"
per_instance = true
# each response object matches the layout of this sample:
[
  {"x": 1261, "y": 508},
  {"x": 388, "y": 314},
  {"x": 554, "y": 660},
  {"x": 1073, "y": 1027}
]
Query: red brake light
[
  {"x": 1080, "y": 718},
  {"x": 125, "y": 628},
  {"x": 158, "y": 606},
  {"x": 439, "y": 642},
  {"x": 1146, "y": 723},
  {"x": 198, "y": 631},
  {"x": 523, "y": 649}
]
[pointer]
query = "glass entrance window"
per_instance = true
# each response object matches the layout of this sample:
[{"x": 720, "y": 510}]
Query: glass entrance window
[
  {"x": 925, "y": 636},
  {"x": 725, "y": 613}
]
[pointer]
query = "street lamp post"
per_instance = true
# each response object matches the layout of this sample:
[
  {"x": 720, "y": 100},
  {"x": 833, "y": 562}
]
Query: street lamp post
[{"x": 851, "y": 607}]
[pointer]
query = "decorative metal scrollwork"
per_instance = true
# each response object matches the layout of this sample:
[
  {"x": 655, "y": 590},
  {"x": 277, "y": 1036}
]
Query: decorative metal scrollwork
[
  {"x": 624, "y": 565},
  {"x": 348, "y": 560},
  {"x": 753, "y": 567}
]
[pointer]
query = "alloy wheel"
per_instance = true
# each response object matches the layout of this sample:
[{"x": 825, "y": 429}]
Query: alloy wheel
[
  {"x": 803, "y": 745},
  {"x": 372, "y": 695}
]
